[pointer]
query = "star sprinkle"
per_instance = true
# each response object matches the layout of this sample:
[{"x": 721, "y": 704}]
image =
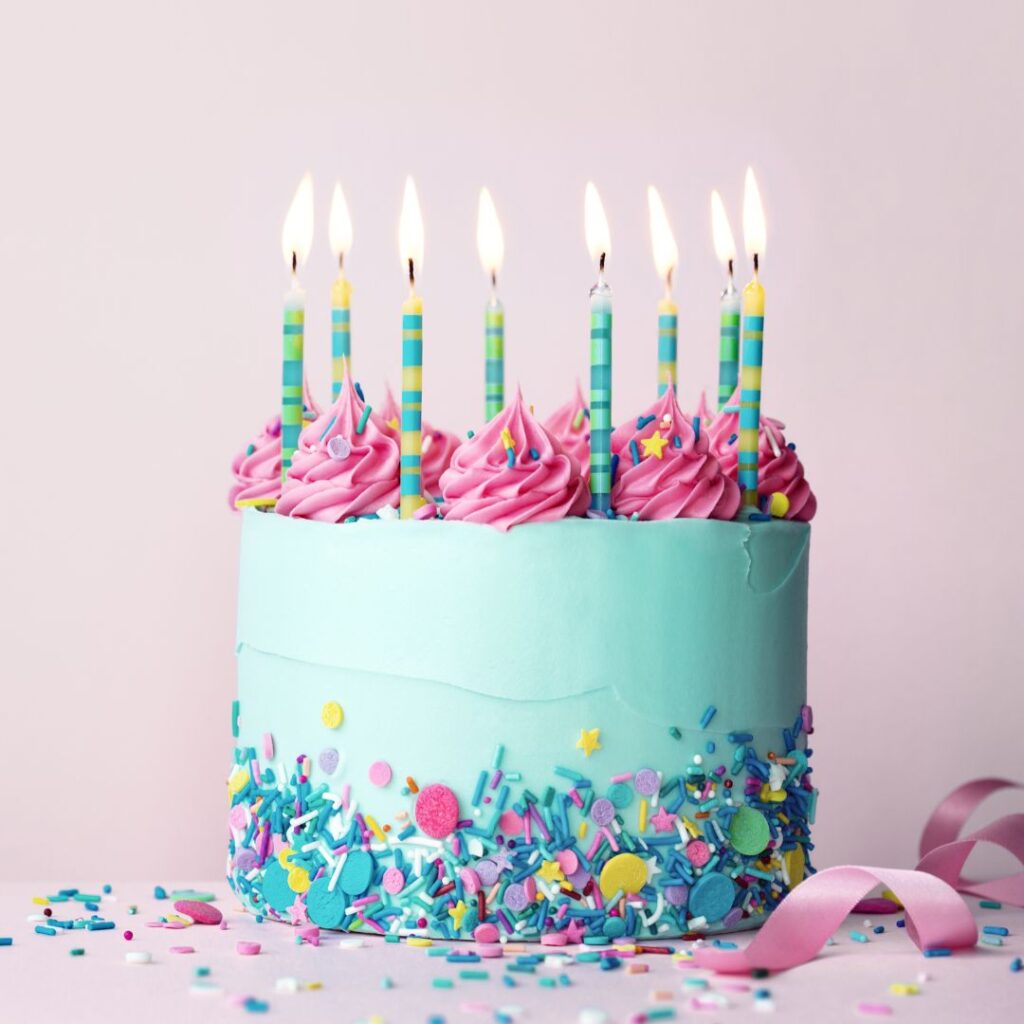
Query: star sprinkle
[
  {"x": 589, "y": 741},
  {"x": 393, "y": 423},
  {"x": 551, "y": 871},
  {"x": 501, "y": 859},
  {"x": 457, "y": 913},
  {"x": 654, "y": 445},
  {"x": 663, "y": 821},
  {"x": 297, "y": 912}
]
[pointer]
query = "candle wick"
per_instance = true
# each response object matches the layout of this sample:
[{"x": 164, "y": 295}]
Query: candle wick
[
  {"x": 412, "y": 274},
  {"x": 494, "y": 282},
  {"x": 295, "y": 263},
  {"x": 341, "y": 261},
  {"x": 600, "y": 263},
  {"x": 757, "y": 264},
  {"x": 730, "y": 269},
  {"x": 668, "y": 283}
]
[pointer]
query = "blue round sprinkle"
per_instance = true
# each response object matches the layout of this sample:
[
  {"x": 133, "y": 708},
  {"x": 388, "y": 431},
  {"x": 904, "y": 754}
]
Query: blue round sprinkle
[
  {"x": 357, "y": 873},
  {"x": 614, "y": 927},
  {"x": 711, "y": 897},
  {"x": 276, "y": 890},
  {"x": 620, "y": 794},
  {"x": 325, "y": 908}
]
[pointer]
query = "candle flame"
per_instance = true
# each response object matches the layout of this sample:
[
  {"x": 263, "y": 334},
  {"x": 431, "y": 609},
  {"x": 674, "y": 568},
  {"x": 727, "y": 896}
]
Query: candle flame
[
  {"x": 663, "y": 242},
  {"x": 754, "y": 232},
  {"x": 599, "y": 240},
  {"x": 490, "y": 242},
  {"x": 340, "y": 223},
  {"x": 725, "y": 244},
  {"x": 410, "y": 228},
  {"x": 297, "y": 233}
]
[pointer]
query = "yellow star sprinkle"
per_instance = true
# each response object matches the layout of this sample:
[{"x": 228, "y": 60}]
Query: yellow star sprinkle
[
  {"x": 457, "y": 913},
  {"x": 393, "y": 423},
  {"x": 654, "y": 445},
  {"x": 551, "y": 871},
  {"x": 589, "y": 741}
]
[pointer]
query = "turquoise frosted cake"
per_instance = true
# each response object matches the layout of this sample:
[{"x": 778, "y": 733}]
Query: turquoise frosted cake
[{"x": 504, "y": 718}]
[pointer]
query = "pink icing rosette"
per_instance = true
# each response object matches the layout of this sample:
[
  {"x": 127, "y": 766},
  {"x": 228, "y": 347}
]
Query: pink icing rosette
[
  {"x": 570, "y": 426},
  {"x": 350, "y": 469},
  {"x": 542, "y": 484},
  {"x": 778, "y": 467},
  {"x": 665, "y": 471},
  {"x": 703, "y": 412},
  {"x": 257, "y": 468},
  {"x": 437, "y": 446}
]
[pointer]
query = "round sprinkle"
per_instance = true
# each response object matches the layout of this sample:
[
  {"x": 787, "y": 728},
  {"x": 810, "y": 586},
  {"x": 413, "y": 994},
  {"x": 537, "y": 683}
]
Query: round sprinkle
[
  {"x": 339, "y": 448},
  {"x": 778, "y": 505},
  {"x": 325, "y": 907},
  {"x": 357, "y": 872},
  {"x": 471, "y": 881},
  {"x": 676, "y": 895},
  {"x": 489, "y": 950},
  {"x": 646, "y": 782},
  {"x": 380, "y": 773},
  {"x": 393, "y": 881},
  {"x": 602, "y": 811},
  {"x": 437, "y": 811},
  {"x": 516, "y": 898},
  {"x": 749, "y": 832},
  {"x": 511, "y": 824},
  {"x": 711, "y": 896},
  {"x": 328, "y": 760},
  {"x": 182, "y": 949},
  {"x": 620, "y": 795},
  {"x": 698, "y": 853},
  {"x": 332, "y": 715},
  {"x": 247, "y": 948},
  {"x": 486, "y": 932},
  {"x": 128, "y": 935},
  {"x": 625, "y": 872},
  {"x": 200, "y": 912},
  {"x": 138, "y": 956},
  {"x": 487, "y": 871},
  {"x": 567, "y": 861}
]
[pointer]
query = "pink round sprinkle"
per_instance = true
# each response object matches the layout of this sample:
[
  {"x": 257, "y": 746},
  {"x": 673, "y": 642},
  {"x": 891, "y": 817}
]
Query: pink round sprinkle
[
  {"x": 247, "y": 948},
  {"x": 530, "y": 888},
  {"x": 470, "y": 881},
  {"x": 182, "y": 949},
  {"x": 238, "y": 816},
  {"x": 380, "y": 773},
  {"x": 510, "y": 823},
  {"x": 567, "y": 861},
  {"x": 554, "y": 939},
  {"x": 489, "y": 950},
  {"x": 393, "y": 881},
  {"x": 268, "y": 746},
  {"x": 486, "y": 932},
  {"x": 875, "y": 1009},
  {"x": 129, "y": 935},
  {"x": 698, "y": 853},
  {"x": 437, "y": 811},
  {"x": 200, "y": 912}
]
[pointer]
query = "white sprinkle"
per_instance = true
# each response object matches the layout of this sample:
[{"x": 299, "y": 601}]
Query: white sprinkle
[{"x": 138, "y": 956}]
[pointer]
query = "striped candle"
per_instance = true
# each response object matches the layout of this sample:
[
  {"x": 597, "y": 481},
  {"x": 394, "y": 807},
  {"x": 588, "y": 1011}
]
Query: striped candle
[
  {"x": 750, "y": 388},
  {"x": 600, "y": 397},
  {"x": 728, "y": 344},
  {"x": 668, "y": 321},
  {"x": 411, "y": 489},
  {"x": 291, "y": 375},
  {"x": 341, "y": 331},
  {"x": 494, "y": 359}
]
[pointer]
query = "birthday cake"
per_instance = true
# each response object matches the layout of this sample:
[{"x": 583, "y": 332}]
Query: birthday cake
[{"x": 506, "y": 719}]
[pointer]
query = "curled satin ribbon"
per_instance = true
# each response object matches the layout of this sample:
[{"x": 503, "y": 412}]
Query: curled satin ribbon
[{"x": 936, "y": 915}]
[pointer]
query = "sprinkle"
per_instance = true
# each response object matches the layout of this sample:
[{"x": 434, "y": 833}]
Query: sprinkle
[
  {"x": 938, "y": 951},
  {"x": 875, "y": 1009},
  {"x": 991, "y": 929},
  {"x": 507, "y": 440},
  {"x": 577, "y": 420},
  {"x": 42, "y": 929},
  {"x": 6, "y": 940},
  {"x": 904, "y": 989},
  {"x": 709, "y": 713},
  {"x": 339, "y": 449},
  {"x": 361, "y": 425},
  {"x": 534, "y": 454},
  {"x": 469, "y": 435},
  {"x": 1017, "y": 965},
  {"x": 442, "y": 983},
  {"x": 991, "y": 940},
  {"x": 248, "y": 948},
  {"x": 991, "y": 904},
  {"x": 696, "y": 427},
  {"x": 77, "y": 951},
  {"x": 635, "y": 452},
  {"x": 642, "y": 421},
  {"x": 138, "y": 956}
]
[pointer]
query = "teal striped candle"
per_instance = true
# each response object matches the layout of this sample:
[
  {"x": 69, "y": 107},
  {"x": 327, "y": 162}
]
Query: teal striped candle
[
  {"x": 494, "y": 359},
  {"x": 291, "y": 375},
  {"x": 410, "y": 477},
  {"x": 600, "y": 397},
  {"x": 728, "y": 344}
]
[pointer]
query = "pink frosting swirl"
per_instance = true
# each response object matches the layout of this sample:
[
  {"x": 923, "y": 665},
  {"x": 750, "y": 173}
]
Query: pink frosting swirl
[
  {"x": 570, "y": 426},
  {"x": 778, "y": 467},
  {"x": 683, "y": 481},
  {"x": 391, "y": 413},
  {"x": 343, "y": 471},
  {"x": 438, "y": 448},
  {"x": 257, "y": 468},
  {"x": 703, "y": 412},
  {"x": 542, "y": 484}
]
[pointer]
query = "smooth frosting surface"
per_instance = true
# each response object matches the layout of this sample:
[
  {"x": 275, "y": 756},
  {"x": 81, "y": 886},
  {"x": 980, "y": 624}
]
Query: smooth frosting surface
[
  {"x": 349, "y": 469},
  {"x": 666, "y": 471},
  {"x": 569, "y": 424},
  {"x": 779, "y": 468},
  {"x": 542, "y": 483}
]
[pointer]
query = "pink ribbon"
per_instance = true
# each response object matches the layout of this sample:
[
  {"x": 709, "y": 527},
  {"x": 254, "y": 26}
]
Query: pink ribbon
[{"x": 936, "y": 916}]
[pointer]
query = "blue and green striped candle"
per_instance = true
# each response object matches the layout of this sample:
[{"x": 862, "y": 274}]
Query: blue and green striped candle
[
  {"x": 600, "y": 397},
  {"x": 728, "y": 344},
  {"x": 291, "y": 375},
  {"x": 494, "y": 359}
]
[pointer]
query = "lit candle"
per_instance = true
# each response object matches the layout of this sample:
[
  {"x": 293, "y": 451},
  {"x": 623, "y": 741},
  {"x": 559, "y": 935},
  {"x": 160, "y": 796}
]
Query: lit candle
[
  {"x": 410, "y": 243},
  {"x": 296, "y": 238},
  {"x": 729, "y": 307},
  {"x": 490, "y": 243},
  {"x": 666, "y": 258},
  {"x": 753, "y": 342},
  {"x": 341, "y": 290},
  {"x": 599, "y": 244}
]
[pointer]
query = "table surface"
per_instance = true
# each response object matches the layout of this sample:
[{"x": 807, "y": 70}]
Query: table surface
[{"x": 366, "y": 979}]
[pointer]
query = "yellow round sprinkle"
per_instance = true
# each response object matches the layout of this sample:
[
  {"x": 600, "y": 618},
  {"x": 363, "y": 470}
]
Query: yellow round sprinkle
[
  {"x": 778, "y": 505},
  {"x": 298, "y": 879},
  {"x": 238, "y": 781},
  {"x": 284, "y": 856},
  {"x": 625, "y": 872},
  {"x": 332, "y": 715}
]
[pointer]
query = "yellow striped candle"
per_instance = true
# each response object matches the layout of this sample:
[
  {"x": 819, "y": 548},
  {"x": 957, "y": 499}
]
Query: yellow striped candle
[
  {"x": 410, "y": 237},
  {"x": 341, "y": 290}
]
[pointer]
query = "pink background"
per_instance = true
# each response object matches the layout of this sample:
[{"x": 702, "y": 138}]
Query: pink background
[{"x": 150, "y": 155}]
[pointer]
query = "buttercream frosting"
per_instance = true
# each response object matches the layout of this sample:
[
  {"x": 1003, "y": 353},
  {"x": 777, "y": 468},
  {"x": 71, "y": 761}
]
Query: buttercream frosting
[
  {"x": 666, "y": 471},
  {"x": 779, "y": 469},
  {"x": 569, "y": 424},
  {"x": 542, "y": 482},
  {"x": 350, "y": 468}
]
